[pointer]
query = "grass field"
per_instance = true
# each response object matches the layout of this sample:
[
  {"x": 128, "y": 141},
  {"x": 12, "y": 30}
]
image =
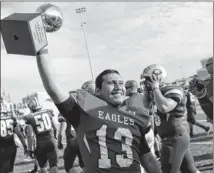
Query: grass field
[{"x": 201, "y": 147}]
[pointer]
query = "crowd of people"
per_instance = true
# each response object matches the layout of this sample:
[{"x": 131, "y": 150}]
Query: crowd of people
[{"x": 110, "y": 125}]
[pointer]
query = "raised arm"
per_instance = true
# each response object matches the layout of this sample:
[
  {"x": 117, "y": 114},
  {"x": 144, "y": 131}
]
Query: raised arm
[
  {"x": 47, "y": 75},
  {"x": 163, "y": 103},
  {"x": 65, "y": 103}
]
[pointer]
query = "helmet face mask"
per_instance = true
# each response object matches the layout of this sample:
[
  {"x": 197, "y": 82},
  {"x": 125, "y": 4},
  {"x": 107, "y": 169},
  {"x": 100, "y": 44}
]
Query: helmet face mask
[{"x": 34, "y": 104}]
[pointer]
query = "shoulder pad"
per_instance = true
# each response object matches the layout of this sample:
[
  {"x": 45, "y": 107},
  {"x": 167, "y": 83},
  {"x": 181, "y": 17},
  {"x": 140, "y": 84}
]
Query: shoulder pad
[{"x": 173, "y": 91}]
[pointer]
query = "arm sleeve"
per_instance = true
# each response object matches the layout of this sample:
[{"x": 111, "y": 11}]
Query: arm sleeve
[
  {"x": 175, "y": 94},
  {"x": 70, "y": 110},
  {"x": 144, "y": 148}
]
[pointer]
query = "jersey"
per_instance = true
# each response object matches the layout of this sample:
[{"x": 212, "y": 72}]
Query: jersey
[
  {"x": 42, "y": 124},
  {"x": 206, "y": 106},
  {"x": 8, "y": 123},
  {"x": 177, "y": 94},
  {"x": 190, "y": 103},
  {"x": 136, "y": 100},
  {"x": 210, "y": 89},
  {"x": 171, "y": 122},
  {"x": 110, "y": 139},
  {"x": 69, "y": 131}
]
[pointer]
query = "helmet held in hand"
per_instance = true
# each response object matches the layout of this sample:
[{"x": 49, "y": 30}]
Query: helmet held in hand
[{"x": 154, "y": 70}]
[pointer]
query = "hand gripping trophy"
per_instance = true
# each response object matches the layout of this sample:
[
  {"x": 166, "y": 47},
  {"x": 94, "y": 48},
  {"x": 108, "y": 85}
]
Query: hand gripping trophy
[{"x": 25, "y": 33}]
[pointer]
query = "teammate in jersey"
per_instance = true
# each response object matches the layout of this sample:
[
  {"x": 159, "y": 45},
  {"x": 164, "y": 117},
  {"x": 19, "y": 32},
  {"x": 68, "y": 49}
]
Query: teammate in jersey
[
  {"x": 198, "y": 88},
  {"x": 209, "y": 67},
  {"x": 110, "y": 136},
  {"x": 72, "y": 147},
  {"x": 8, "y": 149},
  {"x": 137, "y": 99},
  {"x": 170, "y": 102},
  {"x": 41, "y": 124},
  {"x": 191, "y": 112}
]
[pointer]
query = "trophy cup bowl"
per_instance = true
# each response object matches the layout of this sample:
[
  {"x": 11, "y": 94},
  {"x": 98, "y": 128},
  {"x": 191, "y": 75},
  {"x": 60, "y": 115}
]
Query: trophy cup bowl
[{"x": 52, "y": 17}]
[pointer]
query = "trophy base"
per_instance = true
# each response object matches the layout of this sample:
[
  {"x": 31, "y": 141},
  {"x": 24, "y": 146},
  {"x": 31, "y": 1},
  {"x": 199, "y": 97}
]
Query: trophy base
[{"x": 23, "y": 33}]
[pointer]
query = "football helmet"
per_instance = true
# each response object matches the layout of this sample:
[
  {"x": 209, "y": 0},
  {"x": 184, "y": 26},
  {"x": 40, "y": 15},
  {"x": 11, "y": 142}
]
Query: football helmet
[
  {"x": 34, "y": 104},
  {"x": 3, "y": 108},
  {"x": 185, "y": 86},
  {"x": 89, "y": 86},
  {"x": 154, "y": 69},
  {"x": 197, "y": 87}
]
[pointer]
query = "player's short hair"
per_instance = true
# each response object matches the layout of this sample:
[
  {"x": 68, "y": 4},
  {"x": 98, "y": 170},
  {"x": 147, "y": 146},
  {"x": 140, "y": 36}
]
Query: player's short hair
[
  {"x": 131, "y": 83},
  {"x": 99, "y": 79}
]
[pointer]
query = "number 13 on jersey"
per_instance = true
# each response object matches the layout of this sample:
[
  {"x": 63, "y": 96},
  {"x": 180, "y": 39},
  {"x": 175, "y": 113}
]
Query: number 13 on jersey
[{"x": 104, "y": 161}]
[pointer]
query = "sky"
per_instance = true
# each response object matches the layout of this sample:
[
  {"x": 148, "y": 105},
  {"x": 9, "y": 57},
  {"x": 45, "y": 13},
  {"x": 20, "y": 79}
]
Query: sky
[{"x": 127, "y": 36}]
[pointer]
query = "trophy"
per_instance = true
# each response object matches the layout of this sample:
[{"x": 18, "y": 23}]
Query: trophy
[{"x": 25, "y": 33}]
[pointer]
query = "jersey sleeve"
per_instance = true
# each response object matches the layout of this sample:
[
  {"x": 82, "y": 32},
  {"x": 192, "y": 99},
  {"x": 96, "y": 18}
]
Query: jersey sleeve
[
  {"x": 144, "y": 148},
  {"x": 174, "y": 93},
  {"x": 69, "y": 109}
]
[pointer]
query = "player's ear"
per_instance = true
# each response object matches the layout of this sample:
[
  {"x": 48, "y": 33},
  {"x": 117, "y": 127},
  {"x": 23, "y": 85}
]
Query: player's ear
[{"x": 97, "y": 91}]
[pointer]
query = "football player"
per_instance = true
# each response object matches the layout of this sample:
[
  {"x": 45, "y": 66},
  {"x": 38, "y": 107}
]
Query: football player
[
  {"x": 209, "y": 67},
  {"x": 8, "y": 149},
  {"x": 191, "y": 112},
  {"x": 136, "y": 99},
  {"x": 198, "y": 88},
  {"x": 40, "y": 122},
  {"x": 170, "y": 101},
  {"x": 111, "y": 135},
  {"x": 72, "y": 147}
]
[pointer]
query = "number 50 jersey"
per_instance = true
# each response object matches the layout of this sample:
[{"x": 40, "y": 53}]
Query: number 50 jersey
[{"x": 42, "y": 124}]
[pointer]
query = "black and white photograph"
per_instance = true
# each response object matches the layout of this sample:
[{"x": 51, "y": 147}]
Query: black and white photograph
[{"x": 106, "y": 87}]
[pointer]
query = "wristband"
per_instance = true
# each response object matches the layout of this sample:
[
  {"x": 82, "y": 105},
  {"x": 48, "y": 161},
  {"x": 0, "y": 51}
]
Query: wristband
[
  {"x": 42, "y": 51},
  {"x": 155, "y": 88}
]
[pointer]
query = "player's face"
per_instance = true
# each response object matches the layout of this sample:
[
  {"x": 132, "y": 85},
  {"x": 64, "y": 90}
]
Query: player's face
[
  {"x": 131, "y": 88},
  {"x": 32, "y": 105},
  {"x": 113, "y": 89}
]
